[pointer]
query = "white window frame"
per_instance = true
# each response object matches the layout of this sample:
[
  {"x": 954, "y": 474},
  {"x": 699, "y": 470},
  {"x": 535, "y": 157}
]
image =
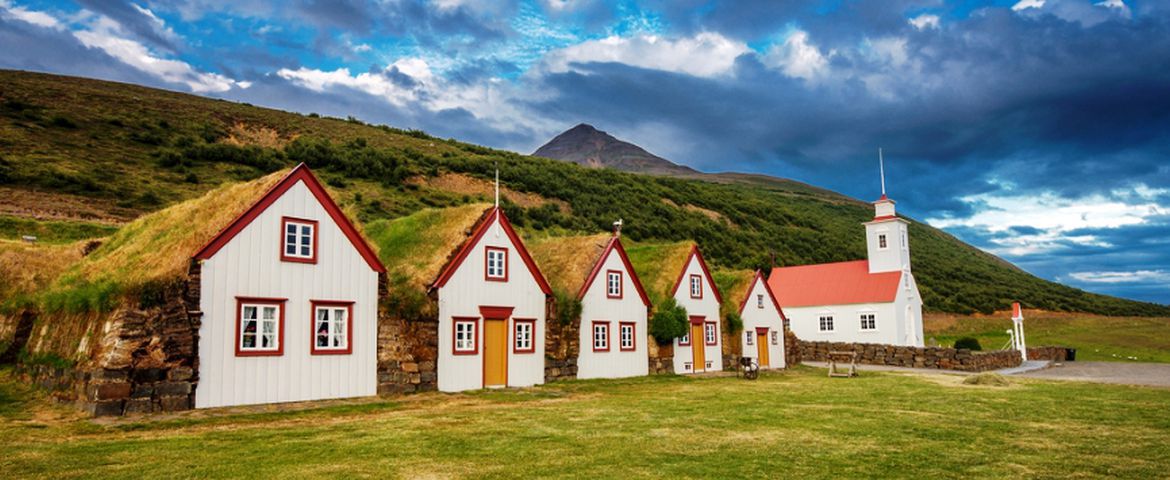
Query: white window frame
[
  {"x": 496, "y": 263},
  {"x": 760, "y": 300},
  {"x": 749, "y": 337},
  {"x": 524, "y": 331},
  {"x": 883, "y": 242},
  {"x": 299, "y": 239},
  {"x": 696, "y": 286},
  {"x": 613, "y": 284},
  {"x": 465, "y": 342},
  {"x": 331, "y": 324},
  {"x": 623, "y": 344},
  {"x": 260, "y": 320},
  {"x": 601, "y": 336},
  {"x": 710, "y": 333},
  {"x": 872, "y": 322},
  {"x": 825, "y": 319}
]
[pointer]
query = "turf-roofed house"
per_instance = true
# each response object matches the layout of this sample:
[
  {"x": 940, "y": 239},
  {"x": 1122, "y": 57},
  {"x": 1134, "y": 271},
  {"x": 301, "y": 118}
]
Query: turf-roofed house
[
  {"x": 865, "y": 301},
  {"x": 610, "y": 327},
  {"x": 762, "y": 339},
  {"x": 466, "y": 269},
  {"x": 701, "y": 349},
  {"x": 256, "y": 292}
]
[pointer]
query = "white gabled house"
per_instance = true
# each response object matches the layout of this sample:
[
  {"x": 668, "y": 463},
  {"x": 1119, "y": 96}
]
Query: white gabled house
[
  {"x": 492, "y": 305},
  {"x": 289, "y": 298},
  {"x": 701, "y": 349},
  {"x": 614, "y": 308},
  {"x": 763, "y": 325}
]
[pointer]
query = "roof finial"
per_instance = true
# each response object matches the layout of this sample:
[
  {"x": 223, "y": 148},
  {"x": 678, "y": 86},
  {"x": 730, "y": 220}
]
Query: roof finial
[
  {"x": 882, "y": 167},
  {"x": 617, "y": 228},
  {"x": 498, "y": 185}
]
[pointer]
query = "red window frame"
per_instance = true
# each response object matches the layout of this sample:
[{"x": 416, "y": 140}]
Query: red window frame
[
  {"x": 240, "y": 302},
  {"x": 715, "y": 328},
  {"x": 633, "y": 336},
  {"x": 531, "y": 322},
  {"x": 621, "y": 280},
  {"x": 691, "y": 286},
  {"x": 593, "y": 336},
  {"x": 284, "y": 257},
  {"x": 313, "y": 348},
  {"x": 474, "y": 335},
  {"x": 485, "y": 264},
  {"x": 687, "y": 336}
]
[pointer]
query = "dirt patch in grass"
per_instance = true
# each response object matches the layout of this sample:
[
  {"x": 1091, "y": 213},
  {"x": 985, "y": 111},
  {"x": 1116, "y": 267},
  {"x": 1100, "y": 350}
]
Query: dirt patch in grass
[
  {"x": 243, "y": 134},
  {"x": 468, "y": 185}
]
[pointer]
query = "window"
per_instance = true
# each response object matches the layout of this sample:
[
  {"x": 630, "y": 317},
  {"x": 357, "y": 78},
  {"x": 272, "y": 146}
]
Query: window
[
  {"x": 523, "y": 332},
  {"x": 465, "y": 333},
  {"x": 903, "y": 237},
  {"x": 868, "y": 322},
  {"x": 600, "y": 336},
  {"x": 775, "y": 338},
  {"x": 496, "y": 267},
  {"x": 299, "y": 242},
  {"x": 696, "y": 286},
  {"x": 685, "y": 340},
  {"x": 710, "y": 333},
  {"x": 259, "y": 326},
  {"x": 613, "y": 284},
  {"x": 626, "y": 337},
  {"x": 826, "y": 323},
  {"x": 332, "y": 327},
  {"x": 882, "y": 241},
  {"x": 749, "y": 337},
  {"x": 760, "y": 301}
]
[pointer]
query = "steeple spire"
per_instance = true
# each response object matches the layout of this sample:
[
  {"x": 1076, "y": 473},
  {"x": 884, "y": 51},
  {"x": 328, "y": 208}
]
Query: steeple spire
[{"x": 882, "y": 168}]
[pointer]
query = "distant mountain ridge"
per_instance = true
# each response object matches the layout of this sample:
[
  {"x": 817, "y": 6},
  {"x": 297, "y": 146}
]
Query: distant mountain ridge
[{"x": 588, "y": 146}]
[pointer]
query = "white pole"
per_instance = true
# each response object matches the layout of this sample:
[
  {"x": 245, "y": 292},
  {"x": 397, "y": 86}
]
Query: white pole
[
  {"x": 882, "y": 167},
  {"x": 497, "y": 199}
]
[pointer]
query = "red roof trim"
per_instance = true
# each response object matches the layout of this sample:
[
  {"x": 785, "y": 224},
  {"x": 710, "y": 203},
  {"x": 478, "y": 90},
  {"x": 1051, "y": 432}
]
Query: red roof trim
[
  {"x": 615, "y": 243},
  {"x": 767, "y": 288},
  {"x": 695, "y": 253},
  {"x": 886, "y": 217},
  {"x": 300, "y": 173},
  {"x": 495, "y": 214}
]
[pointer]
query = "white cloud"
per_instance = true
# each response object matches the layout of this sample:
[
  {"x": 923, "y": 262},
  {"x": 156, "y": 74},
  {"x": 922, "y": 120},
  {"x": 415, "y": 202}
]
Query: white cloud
[
  {"x": 706, "y": 54},
  {"x": 1026, "y": 4},
  {"x": 925, "y": 21},
  {"x": 797, "y": 57},
  {"x": 34, "y": 17},
  {"x": 1055, "y": 218},
  {"x": 1138, "y": 276}
]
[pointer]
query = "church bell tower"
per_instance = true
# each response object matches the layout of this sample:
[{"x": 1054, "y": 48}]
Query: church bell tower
[{"x": 887, "y": 236}]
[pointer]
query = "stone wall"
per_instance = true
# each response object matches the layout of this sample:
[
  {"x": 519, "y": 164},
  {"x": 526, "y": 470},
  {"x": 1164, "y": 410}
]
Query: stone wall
[
  {"x": 144, "y": 360},
  {"x": 408, "y": 350},
  {"x": 661, "y": 357},
  {"x": 1055, "y": 354},
  {"x": 562, "y": 346},
  {"x": 917, "y": 357},
  {"x": 732, "y": 348},
  {"x": 791, "y": 349}
]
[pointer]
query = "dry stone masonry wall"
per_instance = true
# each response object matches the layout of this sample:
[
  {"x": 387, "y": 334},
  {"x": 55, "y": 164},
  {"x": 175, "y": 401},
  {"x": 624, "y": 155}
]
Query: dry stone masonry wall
[{"x": 928, "y": 357}]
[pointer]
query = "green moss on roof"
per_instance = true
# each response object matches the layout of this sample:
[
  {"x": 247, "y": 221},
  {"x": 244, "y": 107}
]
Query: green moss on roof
[
  {"x": 658, "y": 265},
  {"x": 733, "y": 285},
  {"x": 567, "y": 261},
  {"x": 417, "y": 246}
]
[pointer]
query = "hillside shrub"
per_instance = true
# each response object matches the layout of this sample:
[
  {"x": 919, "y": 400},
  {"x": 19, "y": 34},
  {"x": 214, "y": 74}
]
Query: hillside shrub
[
  {"x": 669, "y": 322},
  {"x": 970, "y": 343},
  {"x": 732, "y": 323}
]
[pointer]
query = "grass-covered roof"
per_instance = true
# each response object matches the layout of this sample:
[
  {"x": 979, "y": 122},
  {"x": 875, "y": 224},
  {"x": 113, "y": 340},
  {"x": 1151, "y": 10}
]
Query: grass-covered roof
[
  {"x": 415, "y": 247},
  {"x": 567, "y": 261},
  {"x": 658, "y": 266}
]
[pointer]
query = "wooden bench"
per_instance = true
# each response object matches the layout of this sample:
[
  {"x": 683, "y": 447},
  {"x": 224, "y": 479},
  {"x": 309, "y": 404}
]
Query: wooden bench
[{"x": 836, "y": 356}]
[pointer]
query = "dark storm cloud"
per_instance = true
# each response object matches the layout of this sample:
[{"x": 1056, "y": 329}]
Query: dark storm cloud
[{"x": 35, "y": 48}]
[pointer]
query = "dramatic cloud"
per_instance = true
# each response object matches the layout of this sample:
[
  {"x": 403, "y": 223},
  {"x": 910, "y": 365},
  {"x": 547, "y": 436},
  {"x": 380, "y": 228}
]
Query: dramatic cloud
[{"x": 1038, "y": 130}]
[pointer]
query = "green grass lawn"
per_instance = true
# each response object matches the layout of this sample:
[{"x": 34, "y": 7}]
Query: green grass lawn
[
  {"x": 797, "y": 424},
  {"x": 1096, "y": 338}
]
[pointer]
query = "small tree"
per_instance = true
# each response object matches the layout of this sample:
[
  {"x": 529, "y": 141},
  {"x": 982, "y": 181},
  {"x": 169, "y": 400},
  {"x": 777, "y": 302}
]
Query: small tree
[{"x": 669, "y": 322}]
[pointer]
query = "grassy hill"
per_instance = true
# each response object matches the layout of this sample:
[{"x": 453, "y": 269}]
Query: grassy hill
[{"x": 79, "y": 157}]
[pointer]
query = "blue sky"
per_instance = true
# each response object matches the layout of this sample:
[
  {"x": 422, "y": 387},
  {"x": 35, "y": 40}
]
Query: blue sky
[{"x": 1038, "y": 130}]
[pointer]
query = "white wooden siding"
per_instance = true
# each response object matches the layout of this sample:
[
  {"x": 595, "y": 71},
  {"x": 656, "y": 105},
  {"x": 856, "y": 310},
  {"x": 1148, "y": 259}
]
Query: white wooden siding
[
  {"x": 462, "y": 296},
  {"x": 767, "y": 317},
  {"x": 595, "y": 306},
  {"x": 892, "y": 321},
  {"x": 249, "y": 265},
  {"x": 707, "y": 307}
]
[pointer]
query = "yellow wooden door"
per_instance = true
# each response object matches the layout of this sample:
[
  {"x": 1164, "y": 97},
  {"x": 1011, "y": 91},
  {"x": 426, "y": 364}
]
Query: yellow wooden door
[
  {"x": 495, "y": 353},
  {"x": 698, "y": 349},
  {"x": 762, "y": 348}
]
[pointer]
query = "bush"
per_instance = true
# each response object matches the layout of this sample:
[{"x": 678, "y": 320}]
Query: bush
[
  {"x": 669, "y": 322},
  {"x": 568, "y": 307},
  {"x": 732, "y": 323},
  {"x": 62, "y": 122},
  {"x": 970, "y": 343}
]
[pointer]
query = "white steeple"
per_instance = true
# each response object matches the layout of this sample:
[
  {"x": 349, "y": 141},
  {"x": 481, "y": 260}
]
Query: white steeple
[{"x": 887, "y": 240}]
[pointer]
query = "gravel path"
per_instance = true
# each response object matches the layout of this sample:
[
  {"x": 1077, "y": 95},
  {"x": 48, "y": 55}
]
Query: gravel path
[{"x": 1129, "y": 373}]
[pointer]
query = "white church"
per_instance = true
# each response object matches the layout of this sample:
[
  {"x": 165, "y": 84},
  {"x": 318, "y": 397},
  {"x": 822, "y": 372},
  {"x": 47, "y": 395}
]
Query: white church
[{"x": 864, "y": 301}]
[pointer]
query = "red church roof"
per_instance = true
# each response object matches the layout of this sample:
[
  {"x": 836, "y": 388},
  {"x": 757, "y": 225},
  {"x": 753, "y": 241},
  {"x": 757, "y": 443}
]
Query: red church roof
[{"x": 832, "y": 284}]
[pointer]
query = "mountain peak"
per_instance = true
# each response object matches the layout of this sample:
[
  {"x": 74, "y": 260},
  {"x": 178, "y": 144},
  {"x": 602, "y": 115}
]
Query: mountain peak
[{"x": 584, "y": 144}]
